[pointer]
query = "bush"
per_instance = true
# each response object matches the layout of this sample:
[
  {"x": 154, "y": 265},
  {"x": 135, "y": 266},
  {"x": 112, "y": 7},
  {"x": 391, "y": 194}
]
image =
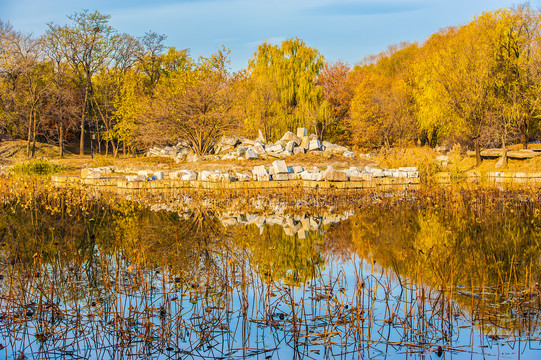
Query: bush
[{"x": 36, "y": 167}]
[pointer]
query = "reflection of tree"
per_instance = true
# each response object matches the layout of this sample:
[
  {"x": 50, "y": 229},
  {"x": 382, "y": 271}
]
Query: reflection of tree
[
  {"x": 483, "y": 245},
  {"x": 282, "y": 257}
]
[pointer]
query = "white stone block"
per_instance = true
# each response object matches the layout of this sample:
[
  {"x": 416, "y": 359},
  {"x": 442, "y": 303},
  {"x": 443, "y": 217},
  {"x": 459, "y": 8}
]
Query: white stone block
[
  {"x": 250, "y": 154},
  {"x": 279, "y": 167},
  {"x": 314, "y": 145}
]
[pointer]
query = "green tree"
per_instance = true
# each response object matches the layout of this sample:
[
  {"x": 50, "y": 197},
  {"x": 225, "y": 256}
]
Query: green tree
[{"x": 289, "y": 71}]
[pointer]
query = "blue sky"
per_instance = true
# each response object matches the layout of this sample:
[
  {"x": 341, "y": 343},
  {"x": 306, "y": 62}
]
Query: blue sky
[{"x": 344, "y": 30}]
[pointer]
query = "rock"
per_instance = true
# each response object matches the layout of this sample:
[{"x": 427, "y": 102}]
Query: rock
[
  {"x": 219, "y": 176},
  {"x": 260, "y": 137},
  {"x": 305, "y": 142},
  {"x": 90, "y": 173},
  {"x": 243, "y": 176},
  {"x": 298, "y": 169},
  {"x": 348, "y": 154},
  {"x": 275, "y": 148},
  {"x": 229, "y": 140},
  {"x": 280, "y": 177},
  {"x": 333, "y": 175},
  {"x": 275, "y": 155},
  {"x": 376, "y": 173},
  {"x": 241, "y": 150},
  {"x": 286, "y": 153},
  {"x": 407, "y": 168},
  {"x": 158, "y": 175},
  {"x": 259, "y": 173},
  {"x": 307, "y": 175},
  {"x": 188, "y": 175},
  {"x": 299, "y": 150},
  {"x": 143, "y": 173},
  {"x": 314, "y": 145},
  {"x": 250, "y": 154},
  {"x": 106, "y": 169},
  {"x": 302, "y": 132},
  {"x": 229, "y": 156},
  {"x": 289, "y": 136},
  {"x": 205, "y": 175},
  {"x": 279, "y": 167},
  {"x": 413, "y": 174},
  {"x": 259, "y": 148},
  {"x": 136, "y": 178},
  {"x": 290, "y": 146},
  {"x": 399, "y": 174},
  {"x": 333, "y": 148}
]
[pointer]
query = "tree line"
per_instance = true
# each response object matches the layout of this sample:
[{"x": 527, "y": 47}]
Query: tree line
[{"x": 85, "y": 83}]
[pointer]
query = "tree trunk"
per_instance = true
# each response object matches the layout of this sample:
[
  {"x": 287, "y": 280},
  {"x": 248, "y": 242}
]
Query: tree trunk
[
  {"x": 61, "y": 141},
  {"x": 29, "y": 135},
  {"x": 504, "y": 156},
  {"x": 34, "y": 136},
  {"x": 524, "y": 140},
  {"x": 82, "y": 139},
  {"x": 477, "y": 151}
]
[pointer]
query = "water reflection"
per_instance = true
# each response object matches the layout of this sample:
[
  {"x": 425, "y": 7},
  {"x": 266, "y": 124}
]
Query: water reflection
[{"x": 434, "y": 273}]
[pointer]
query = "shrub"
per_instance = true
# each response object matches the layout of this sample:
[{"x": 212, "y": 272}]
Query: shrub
[{"x": 36, "y": 167}]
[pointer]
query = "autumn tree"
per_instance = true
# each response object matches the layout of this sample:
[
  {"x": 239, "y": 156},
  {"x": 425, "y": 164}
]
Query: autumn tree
[
  {"x": 382, "y": 108},
  {"x": 25, "y": 74},
  {"x": 195, "y": 102},
  {"x": 454, "y": 82},
  {"x": 285, "y": 81},
  {"x": 338, "y": 92},
  {"x": 86, "y": 45},
  {"x": 517, "y": 72}
]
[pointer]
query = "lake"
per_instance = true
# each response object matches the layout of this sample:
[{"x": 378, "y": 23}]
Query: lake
[{"x": 427, "y": 272}]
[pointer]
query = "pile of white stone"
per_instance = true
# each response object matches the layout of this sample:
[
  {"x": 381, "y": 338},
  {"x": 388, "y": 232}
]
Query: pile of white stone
[
  {"x": 277, "y": 171},
  {"x": 239, "y": 148}
]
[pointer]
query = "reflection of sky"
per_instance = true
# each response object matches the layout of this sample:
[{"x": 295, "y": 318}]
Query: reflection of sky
[
  {"x": 324, "y": 305},
  {"x": 339, "y": 29}
]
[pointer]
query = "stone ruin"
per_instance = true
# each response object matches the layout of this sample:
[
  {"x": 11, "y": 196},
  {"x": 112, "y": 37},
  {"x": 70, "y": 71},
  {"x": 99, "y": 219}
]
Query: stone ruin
[
  {"x": 240, "y": 148},
  {"x": 278, "y": 170}
]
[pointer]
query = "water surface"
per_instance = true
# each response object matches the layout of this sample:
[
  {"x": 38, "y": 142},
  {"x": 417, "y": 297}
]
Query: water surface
[{"x": 412, "y": 274}]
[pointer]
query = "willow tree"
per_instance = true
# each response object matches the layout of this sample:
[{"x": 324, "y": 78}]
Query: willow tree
[{"x": 285, "y": 76}]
